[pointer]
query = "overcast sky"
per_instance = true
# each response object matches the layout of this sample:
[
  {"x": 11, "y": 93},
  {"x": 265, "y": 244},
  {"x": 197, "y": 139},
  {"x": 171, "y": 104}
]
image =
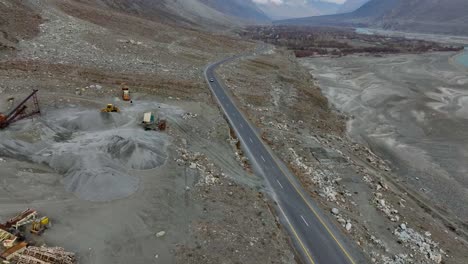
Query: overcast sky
[{"x": 297, "y": 2}]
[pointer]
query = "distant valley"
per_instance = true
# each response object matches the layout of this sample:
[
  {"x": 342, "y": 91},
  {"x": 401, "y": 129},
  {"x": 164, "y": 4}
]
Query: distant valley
[{"x": 429, "y": 16}]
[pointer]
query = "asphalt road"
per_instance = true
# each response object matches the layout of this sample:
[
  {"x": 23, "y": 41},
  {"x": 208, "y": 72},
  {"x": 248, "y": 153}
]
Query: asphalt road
[{"x": 314, "y": 236}]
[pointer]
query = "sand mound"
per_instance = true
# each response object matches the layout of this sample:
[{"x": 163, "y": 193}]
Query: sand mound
[
  {"x": 89, "y": 120},
  {"x": 142, "y": 152}
]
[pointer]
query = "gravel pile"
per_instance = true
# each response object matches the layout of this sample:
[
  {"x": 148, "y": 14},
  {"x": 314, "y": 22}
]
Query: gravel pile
[{"x": 95, "y": 152}]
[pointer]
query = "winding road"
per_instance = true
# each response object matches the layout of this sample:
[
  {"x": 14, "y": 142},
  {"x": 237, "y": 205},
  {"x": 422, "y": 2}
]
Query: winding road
[{"x": 315, "y": 237}]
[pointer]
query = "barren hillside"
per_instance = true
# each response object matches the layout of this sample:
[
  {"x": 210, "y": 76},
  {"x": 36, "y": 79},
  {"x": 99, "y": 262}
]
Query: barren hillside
[{"x": 428, "y": 16}]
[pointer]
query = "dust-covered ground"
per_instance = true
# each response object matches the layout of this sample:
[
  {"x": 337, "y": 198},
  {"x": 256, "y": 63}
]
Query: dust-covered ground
[
  {"x": 114, "y": 192},
  {"x": 412, "y": 111},
  {"x": 390, "y": 222},
  {"x": 104, "y": 180}
]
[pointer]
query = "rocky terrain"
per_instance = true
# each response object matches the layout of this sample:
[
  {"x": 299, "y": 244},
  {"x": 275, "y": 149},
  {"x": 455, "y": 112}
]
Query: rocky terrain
[
  {"x": 114, "y": 192},
  {"x": 391, "y": 223},
  {"x": 119, "y": 194}
]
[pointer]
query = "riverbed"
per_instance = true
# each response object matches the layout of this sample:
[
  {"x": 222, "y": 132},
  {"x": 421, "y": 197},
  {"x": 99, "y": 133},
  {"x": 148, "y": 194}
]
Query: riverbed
[
  {"x": 462, "y": 59},
  {"x": 412, "y": 110}
]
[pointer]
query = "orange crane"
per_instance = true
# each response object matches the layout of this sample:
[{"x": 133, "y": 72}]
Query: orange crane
[{"x": 19, "y": 112}]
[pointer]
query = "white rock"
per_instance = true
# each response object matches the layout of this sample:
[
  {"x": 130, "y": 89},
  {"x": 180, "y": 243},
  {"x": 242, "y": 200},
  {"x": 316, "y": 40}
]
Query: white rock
[
  {"x": 382, "y": 202},
  {"x": 335, "y": 211},
  {"x": 161, "y": 234},
  {"x": 193, "y": 165},
  {"x": 403, "y": 226},
  {"x": 348, "y": 226},
  {"x": 437, "y": 258}
]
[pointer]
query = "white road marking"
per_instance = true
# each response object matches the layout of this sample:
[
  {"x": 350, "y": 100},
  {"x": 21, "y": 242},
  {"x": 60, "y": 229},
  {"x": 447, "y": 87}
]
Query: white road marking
[
  {"x": 251, "y": 141},
  {"x": 263, "y": 158},
  {"x": 280, "y": 184},
  {"x": 307, "y": 224}
]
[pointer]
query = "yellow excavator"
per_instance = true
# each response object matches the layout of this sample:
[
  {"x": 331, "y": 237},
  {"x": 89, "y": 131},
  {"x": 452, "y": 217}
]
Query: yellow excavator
[
  {"x": 110, "y": 108},
  {"x": 39, "y": 226}
]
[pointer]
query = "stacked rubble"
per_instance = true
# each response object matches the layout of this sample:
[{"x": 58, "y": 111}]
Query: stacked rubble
[
  {"x": 419, "y": 243},
  {"x": 45, "y": 255}
]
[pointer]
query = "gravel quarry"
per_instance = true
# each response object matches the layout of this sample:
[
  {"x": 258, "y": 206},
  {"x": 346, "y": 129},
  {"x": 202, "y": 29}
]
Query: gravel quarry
[
  {"x": 114, "y": 192},
  {"x": 103, "y": 179},
  {"x": 95, "y": 152}
]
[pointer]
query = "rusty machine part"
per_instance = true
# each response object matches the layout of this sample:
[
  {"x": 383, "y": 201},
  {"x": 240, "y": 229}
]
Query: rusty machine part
[
  {"x": 14, "y": 221},
  {"x": 162, "y": 124},
  {"x": 19, "y": 112}
]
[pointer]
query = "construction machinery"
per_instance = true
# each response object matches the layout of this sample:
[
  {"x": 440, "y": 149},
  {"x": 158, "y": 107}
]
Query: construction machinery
[
  {"x": 6, "y": 236},
  {"x": 40, "y": 225},
  {"x": 20, "y": 111},
  {"x": 110, "y": 108},
  {"x": 125, "y": 92},
  {"x": 18, "y": 218},
  {"x": 45, "y": 255},
  {"x": 13, "y": 251},
  {"x": 17, "y": 248},
  {"x": 150, "y": 122},
  {"x": 28, "y": 216}
]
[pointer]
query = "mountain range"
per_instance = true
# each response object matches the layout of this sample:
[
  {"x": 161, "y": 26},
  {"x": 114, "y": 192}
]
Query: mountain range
[
  {"x": 351, "y": 5},
  {"x": 429, "y": 16},
  {"x": 211, "y": 13},
  {"x": 297, "y": 8}
]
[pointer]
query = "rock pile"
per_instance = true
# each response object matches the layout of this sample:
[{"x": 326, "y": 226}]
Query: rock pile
[
  {"x": 419, "y": 243},
  {"x": 188, "y": 115},
  {"x": 210, "y": 174},
  {"x": 386, "y": 208},
  {"x": 323, "y": 179}
]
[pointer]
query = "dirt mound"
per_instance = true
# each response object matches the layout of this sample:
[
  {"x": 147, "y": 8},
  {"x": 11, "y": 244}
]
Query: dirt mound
[
  {"x": 141, "y": 153},
  {"x": 93, "y": 176},
  {"x": 90, "y": 121}
]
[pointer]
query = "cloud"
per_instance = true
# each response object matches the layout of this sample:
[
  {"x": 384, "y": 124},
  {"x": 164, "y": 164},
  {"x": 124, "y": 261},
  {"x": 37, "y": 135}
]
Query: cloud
[
  {"x": 335, "y": 1},
  {"x": 301, "y": 2},
  {"x": 266, "y": 2}
]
